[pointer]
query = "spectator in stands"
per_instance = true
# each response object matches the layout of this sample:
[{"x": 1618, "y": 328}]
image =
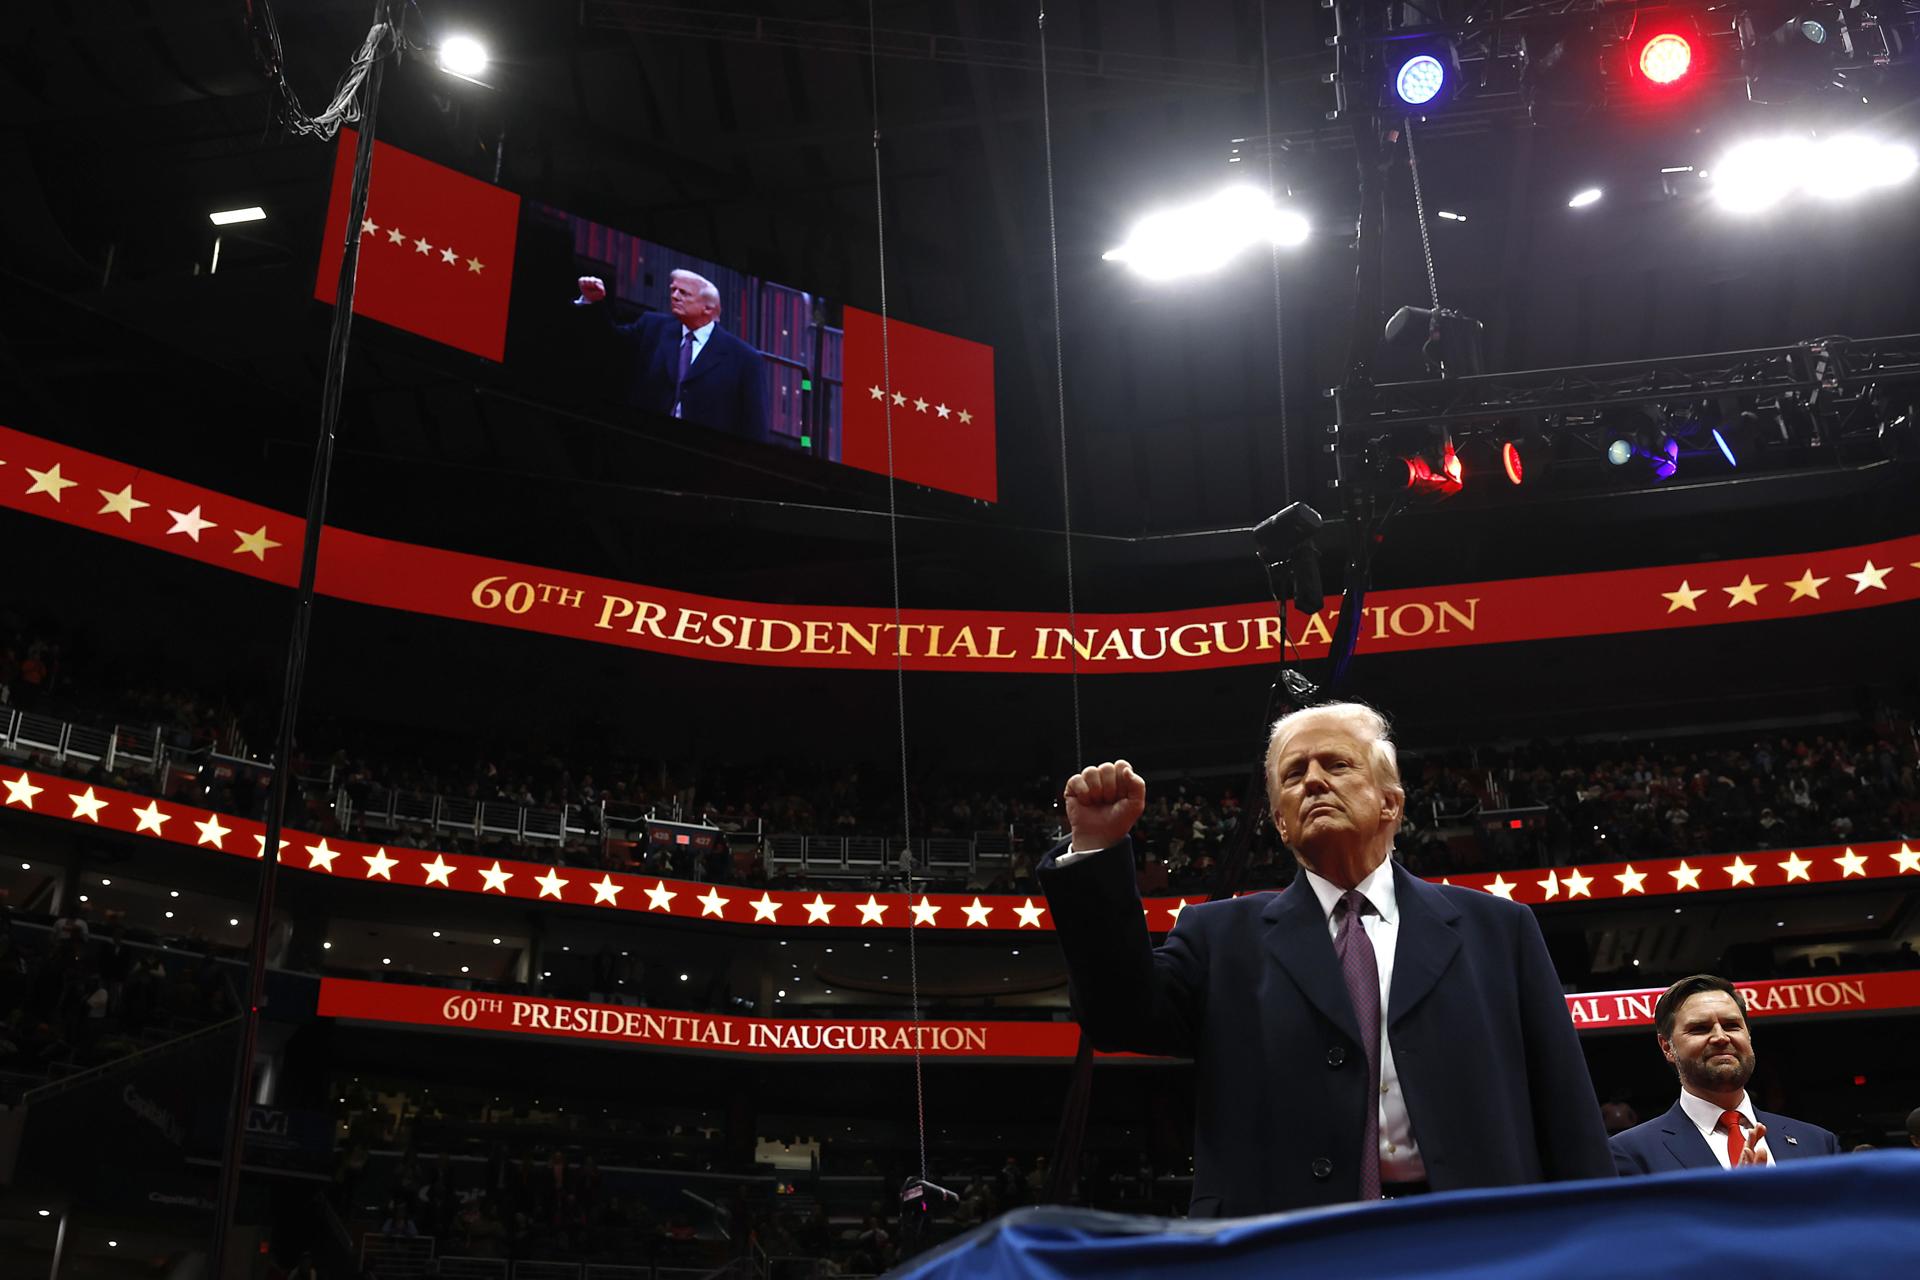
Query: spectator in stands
[
  {"x": 1700, "y": 1023},
  {"x": 1281, "y": 1001}
]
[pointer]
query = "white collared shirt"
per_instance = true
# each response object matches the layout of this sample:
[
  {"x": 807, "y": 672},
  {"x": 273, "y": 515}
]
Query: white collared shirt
[
  {"x": 1399, "y": 1151},
  {"x": 700, "y": 337},
  {"x": 1706, "y": 1117}
]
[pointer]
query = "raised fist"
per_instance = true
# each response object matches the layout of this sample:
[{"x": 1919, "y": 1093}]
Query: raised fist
[
  {"x": 592, "y": 288},
  {"x": 1103, "y": 803}
]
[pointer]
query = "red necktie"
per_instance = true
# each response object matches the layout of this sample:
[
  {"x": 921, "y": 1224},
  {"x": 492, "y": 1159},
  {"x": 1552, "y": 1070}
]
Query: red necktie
[{"x": 1736, "y": 1140}]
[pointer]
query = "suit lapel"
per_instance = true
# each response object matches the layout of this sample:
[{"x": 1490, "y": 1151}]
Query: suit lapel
[
  {"x": 709, "y": 355},
  {"x": 1298, "y": 941},
  {"x": 1684, "y": 1143},
  {"x": 1427, "y": 944}
]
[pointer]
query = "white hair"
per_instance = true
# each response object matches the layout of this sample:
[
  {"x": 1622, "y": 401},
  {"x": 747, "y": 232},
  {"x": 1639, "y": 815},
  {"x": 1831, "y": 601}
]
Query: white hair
[
  {"x": 1373, "y": 729},
  {"x": 709, "y": 293}
]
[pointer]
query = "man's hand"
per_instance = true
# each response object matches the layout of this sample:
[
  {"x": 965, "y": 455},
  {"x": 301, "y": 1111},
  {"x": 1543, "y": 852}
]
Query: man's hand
[
  {"x": 1103, "y": 803},
  {"x": 1754, "y": 1153},
  {"x": 593, "y": 288}
]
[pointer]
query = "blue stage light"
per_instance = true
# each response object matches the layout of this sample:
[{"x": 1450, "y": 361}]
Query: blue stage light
[
  {"x": 1726, "y": 450},
  {"x": 1419, "y": 79},
  {"x": 1620, "y": 452}
]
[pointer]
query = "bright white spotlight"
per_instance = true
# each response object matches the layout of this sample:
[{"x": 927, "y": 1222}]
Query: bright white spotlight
[
  {"x": 1581, "y": 199},
  {"x": 1199, "y": 238},
  {"x": 227, "y": 217},
  {"x": 1756, "y": 175},
  {"x": 463, "y": 56},
  {"x": 1841, "y": 168}
]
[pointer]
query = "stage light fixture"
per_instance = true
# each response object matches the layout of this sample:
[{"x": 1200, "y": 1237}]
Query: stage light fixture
[
  {"x": 1419, "y": 80},
  {"x": 462, "y": 56},
  {"x": 1449, "y": 215},
  {"x": 1755, "y": 175},
  {"x": 227, "y": 217},
  {"x": 1205, "y": 236},
  {"x": 1511, "y": 463},
  {"x": 1452, "y": 344},
  {"x": 1444, "y": 480},
  {"x": 1582, "y": 198},
  {"x": 1665, "y": 58},
  {"x": 1620, "y": 452},
  {"x": 1726, "y": 450},
  {"x": 1795, "y": 56}
]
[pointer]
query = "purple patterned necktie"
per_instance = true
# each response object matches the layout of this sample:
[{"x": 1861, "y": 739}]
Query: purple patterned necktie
[
  {"x": 1362, "y": 973},
  {"x": 686, "y": 358}
]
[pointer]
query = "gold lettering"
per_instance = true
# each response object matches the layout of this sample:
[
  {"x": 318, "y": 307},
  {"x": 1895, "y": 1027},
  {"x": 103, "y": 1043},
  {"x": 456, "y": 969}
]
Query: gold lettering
[
  {"x": 1315, "y": 632},
  {"x": 720, "y": 633},
  {"x": 648, "y": 616},
  {"x": 1140, "y": 649},
  {"x": 1269, "y": 632},
  {"x": 1468, "y": 620},
  {"x": 768, "y": 624},
  {"x": 963, "y": 641},
  {"x": 1181, "y": 649},
  {"x": 612, "y": 607},
  {"x": 685, "y": 634},
  {"x": 850, "y": 635},
  {"x": 819, "y": 637},
  {"x": 1426, "y": 620},
  {"x": 1115, "y": 645},
  {"x": 1220, "y": 637},
  {"x": 993, "y": 643}
]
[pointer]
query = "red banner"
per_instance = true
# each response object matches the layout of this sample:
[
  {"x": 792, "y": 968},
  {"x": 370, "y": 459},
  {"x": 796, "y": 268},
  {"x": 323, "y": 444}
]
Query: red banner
[
  {"x": 939, "y": 391},
  {"x": 52, "y": 796},
  {"x": 436, "y": 248},
  {"x": 672, "y": 1030},
  {"x": 44, "y": 478}
]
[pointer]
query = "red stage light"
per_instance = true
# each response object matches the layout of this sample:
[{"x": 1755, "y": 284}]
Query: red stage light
[
  {"x": 1666, "y": 57},
  {"x": 1423, "y": 477},
  {"x": 1510, "y": 461}
]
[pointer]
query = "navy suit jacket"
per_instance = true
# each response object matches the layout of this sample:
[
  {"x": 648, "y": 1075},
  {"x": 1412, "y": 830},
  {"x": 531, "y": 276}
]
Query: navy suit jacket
[
  {"x": 1672, "y": 1141},
  {"x": 1250, "y": 989},
  {"x": 726, "y": 387}
]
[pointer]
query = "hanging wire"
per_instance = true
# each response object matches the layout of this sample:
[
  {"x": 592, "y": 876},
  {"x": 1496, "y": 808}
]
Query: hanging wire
[
  {"x": 1420, "y": 212},
  {"x": 1060, "y": 397},
  {"x": 899, "y": 651},
  {"x": 345, "y": 105},
  {"x": 1279, "y": 331}
]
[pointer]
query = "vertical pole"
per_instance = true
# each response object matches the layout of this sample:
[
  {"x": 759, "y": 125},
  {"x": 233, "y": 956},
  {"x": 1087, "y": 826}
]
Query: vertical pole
[{"x": 331, "y": 389}]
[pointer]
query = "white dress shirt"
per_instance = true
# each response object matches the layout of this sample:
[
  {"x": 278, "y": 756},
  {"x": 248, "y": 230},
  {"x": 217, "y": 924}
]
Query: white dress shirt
[
  {"x": 700, "y": 337},
  {"x": 1399, "y": 1151},
  {"x": 1706, "y": 1116}
]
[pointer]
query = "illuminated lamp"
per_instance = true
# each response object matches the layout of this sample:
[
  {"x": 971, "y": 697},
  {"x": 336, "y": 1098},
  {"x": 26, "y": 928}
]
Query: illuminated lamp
[
  {"x": 1796, "y": 57},
  {"x": 1664, "y": 58},
  {"x": 1510, "y": 462},
  {"x": 1444, "y": 480},
  {"x": 1423, "y": 74}
]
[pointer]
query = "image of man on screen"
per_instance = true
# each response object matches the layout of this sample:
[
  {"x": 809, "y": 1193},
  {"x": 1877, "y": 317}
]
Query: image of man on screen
[{"x": 683, "y": 364}]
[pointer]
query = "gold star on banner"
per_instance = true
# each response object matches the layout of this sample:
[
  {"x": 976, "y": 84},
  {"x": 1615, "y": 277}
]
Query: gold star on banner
[
  {"x": 49, "y": 482},
  {"x": 438, "y": 871},
  {"x": 1551, "y": 885},
  {"x": 551, "y": 884},
  {"x": 943, "y": 411},
  {"x": 1029, "y": 915},
  {"x": 872, "y": 911},
  {"x": 1684, "y": 597},
  {"x": 421, "y": 246},
  {"x": 876, "y": 393},
  {"x": 899, "y": 399},
  {"x": 87, "y": 805},
  {"x": 1747, "y": 592},
  {"x": 1173, "y": 912},
  {"x": 1796, "y": 868},
  {"x": 261, "y": 850},
  {"x": 320, "y": 857},
  {"x": 21, "y": 791},
  {"x": 396, "y": 236},
  {"x": 1740, "y": 871},
  {"x": 475, "y": 266},
  {"x": 1851, "y": 864},
  {"x": 660, "y": 898},
  {"x": 819, "y": 911},
  {"x": 151, "y": 819},
  {"x": 1867, "y": 577},
  {"x": 122, "y": 504},
  {"x": 368, "y": 227},
  {"x": 977, "y": 915},
  {"x": 449, "y": 257},
  {"x": 1577, "y": 884},
  {"x": 924, "y": 912},
  {"x": 712, "y": 904},
  {"x": 1907, "y": 859},
  {"x": 1500, "y": 888},
  {"x": 765, "y": 908},
  {"x": 496, "y": 879},
  {"x": 1630, "y": 880},
  {"x": 965, "y": 417},
  {"x": 605, "y": 890},
  {"x": 211, "y": 832},
  {"x": 1685, "y": 877},
  {"x": 379, "y": 864},
  {"x": 919, "y": 406},
  {"x": 190, "y": 523},
  {"x": 1807, "y": 586},
  {"x": 257, "y": 543}
]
